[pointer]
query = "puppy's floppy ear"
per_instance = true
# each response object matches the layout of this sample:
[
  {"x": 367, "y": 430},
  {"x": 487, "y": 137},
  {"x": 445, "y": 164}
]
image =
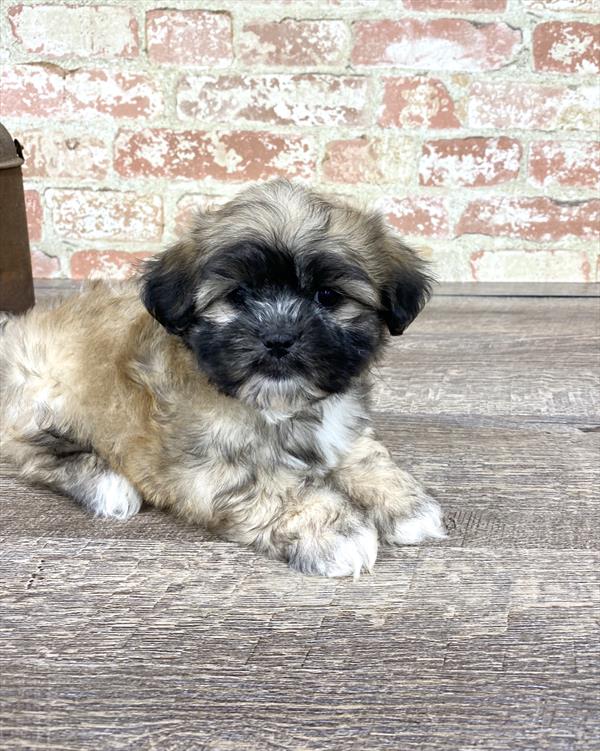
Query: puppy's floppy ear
[
  {"x": 169, "y": 282},
  {"x": 408, "y": 287}
]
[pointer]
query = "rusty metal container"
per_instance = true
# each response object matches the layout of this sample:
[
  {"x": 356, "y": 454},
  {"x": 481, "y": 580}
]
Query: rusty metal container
[{"x": 16, "y": 280}]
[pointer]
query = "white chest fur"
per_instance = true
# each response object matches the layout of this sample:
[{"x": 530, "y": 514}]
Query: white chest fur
[
  {"x": 314, "y": 439},
  {"x": 342, "y": 418},
  {"x": 321, "y": 436}
]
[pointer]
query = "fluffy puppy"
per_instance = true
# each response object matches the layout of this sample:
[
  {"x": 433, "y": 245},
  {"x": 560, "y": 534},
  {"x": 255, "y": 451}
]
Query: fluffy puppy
[{"x": 230, "y": 383}]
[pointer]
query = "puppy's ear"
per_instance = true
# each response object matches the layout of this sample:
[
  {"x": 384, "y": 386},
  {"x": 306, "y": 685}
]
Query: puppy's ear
[
  {"x": 169, "y": 283},
  {"x": 408, "y": 287}
]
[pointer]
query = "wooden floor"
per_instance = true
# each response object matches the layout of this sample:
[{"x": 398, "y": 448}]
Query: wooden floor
[{"x": 147, "y": 635}]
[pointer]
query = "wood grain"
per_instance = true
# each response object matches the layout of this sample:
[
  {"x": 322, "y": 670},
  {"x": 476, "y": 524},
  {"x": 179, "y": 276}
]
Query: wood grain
[
  {"x": 519, "y": 289},
  {"x": 150, "y": 635},
  {"x": 157, "y": 644},
  {"x": 496, "y": 482}
]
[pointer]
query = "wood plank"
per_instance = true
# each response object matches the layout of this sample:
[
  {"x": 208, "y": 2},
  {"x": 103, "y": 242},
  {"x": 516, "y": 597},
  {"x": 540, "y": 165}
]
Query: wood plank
[
  {"x": 453, "y": 289},
  {"x": 500, "y": 485},
  {"x": 151, "y": 635},
  {"x": 460, "y": 315},
  {"x": 505, "y": 319},
  {"x": 204, "y": 645},
  {"x": 519, "y": 289},
  {"x": 495, "y": 356},
  {"x": 467, "y": 373}
]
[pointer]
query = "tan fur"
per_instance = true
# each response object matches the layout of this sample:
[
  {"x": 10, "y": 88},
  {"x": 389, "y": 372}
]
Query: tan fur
[{"x": 125, "y": 402}]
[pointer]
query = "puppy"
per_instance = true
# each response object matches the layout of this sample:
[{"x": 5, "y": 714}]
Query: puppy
[{"x": 230, "y": 383}]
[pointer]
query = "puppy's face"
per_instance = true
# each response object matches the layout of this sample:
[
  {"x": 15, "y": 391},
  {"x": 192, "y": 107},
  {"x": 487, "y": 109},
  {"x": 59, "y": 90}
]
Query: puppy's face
[
  {"x": 283, "y": 296},
  {"x": 275, "y": 326}
]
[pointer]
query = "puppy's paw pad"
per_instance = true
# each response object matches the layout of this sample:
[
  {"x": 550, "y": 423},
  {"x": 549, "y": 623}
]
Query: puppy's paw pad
[
  {"x": 341, "y": 555},
  {"x": 116, "y": 497},
  {"x": 426, "y": 523}
]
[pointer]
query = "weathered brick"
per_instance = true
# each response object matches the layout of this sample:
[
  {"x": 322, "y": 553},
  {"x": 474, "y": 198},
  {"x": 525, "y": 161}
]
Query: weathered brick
[
  {"x": 561, "y": 6},
  {"x": 319, "y": 5},
  {"x": 438, "y": 44},
  {"x": 106, "y": 264},
  {"x": 457, "y": 6},
  {"x": 417, "y": 102},
  {"x": 569, "y": 163},
  {"x": 361, "y": 141},
  {"x": 105, "y": 215},
  {"x": 64, "y": 153},
  {"x": 515, "y": 104},
  {"x": 369, "y": 160},
  {"x": 57, "y": 31},
  {"x": 571, "y": 47},
  {"x": 45, "y": 89},
  {"x": 37, "y": 90},
  {"x": 279, "y": 99},
  {"x": 530, "y": 266},
  {"x": 189, "y": 37},
  {"x": 420, "y": 216},
  {"x": 191, "y": 154},
  {"x": 44, "y": 266},
  {"x": 469, "y": 162},
  {"x": 33, "y": 207},
  {"x": 540, "y": 218},
  {"x": 291, "y": 42},
  {"x": 118, "y": 94}
]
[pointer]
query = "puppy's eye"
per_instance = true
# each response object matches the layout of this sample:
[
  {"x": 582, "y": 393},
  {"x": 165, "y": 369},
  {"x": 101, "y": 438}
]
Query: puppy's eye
[
  {"x": 236, "y": 296},
  {"x": 328, "y": 297}
]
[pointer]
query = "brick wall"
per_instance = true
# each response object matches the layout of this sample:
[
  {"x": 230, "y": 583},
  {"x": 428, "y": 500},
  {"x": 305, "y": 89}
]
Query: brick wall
[{"x": 470, "y": 123}]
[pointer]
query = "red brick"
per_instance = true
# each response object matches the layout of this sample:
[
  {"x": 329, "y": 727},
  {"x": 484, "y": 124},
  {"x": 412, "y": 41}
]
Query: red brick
[
  {"x": 418, "y": 216},
  {"x": 33, "y": 207},
  {"x": 541, "y": 219},
  {"x": 100, "y": 91},
  {"x": 417, "y": 102},
  {"x": 189, "y": 37},
  {"x": 57, "y": 31},
  {"x": 457, "y": 6},
  {"x": 505, "y": 105},
  {"x": 105, "y": 215},
  {"x": 369, "y": 160},
  {"x": 438, "y": 44},
  {"x": 469, "y": 162},
  {"x": 37, "y": 90},
  {"x": 573, "y": 164},
  {"x": 567, "y": 47},
  {"x": 191, "y": 154},
  {"x": 45, "y": 89},
  {"x": 530, "y": 266},
  {"x": 43, "y": 266},
  {"x": 561, "y": 6},
  {"x": 279, "y": 99},
  {"x": 352, "y": 160},
  {"x": 64, "y": 153},
  {"x": 106, "y": 264},
  {"x": 291, "y": 42}
]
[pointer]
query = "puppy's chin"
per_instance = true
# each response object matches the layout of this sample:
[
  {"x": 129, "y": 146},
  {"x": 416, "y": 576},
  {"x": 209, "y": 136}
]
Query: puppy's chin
[{"x": 279, "y": 398}]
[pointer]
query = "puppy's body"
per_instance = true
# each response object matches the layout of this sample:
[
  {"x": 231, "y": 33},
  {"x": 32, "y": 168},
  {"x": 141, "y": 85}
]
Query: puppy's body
[{"x": 222, "y": 406}]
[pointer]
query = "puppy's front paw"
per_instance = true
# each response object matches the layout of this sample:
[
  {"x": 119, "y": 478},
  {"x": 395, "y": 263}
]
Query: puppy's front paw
[
  {"x": 424, "y": 522},
  {"x": 115, "y": 497},
  {"x": 336, "y": 553}
]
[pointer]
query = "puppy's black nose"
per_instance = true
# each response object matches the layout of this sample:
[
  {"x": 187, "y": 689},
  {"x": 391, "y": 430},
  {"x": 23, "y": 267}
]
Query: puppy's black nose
[{"x": 278, "y": 343}]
